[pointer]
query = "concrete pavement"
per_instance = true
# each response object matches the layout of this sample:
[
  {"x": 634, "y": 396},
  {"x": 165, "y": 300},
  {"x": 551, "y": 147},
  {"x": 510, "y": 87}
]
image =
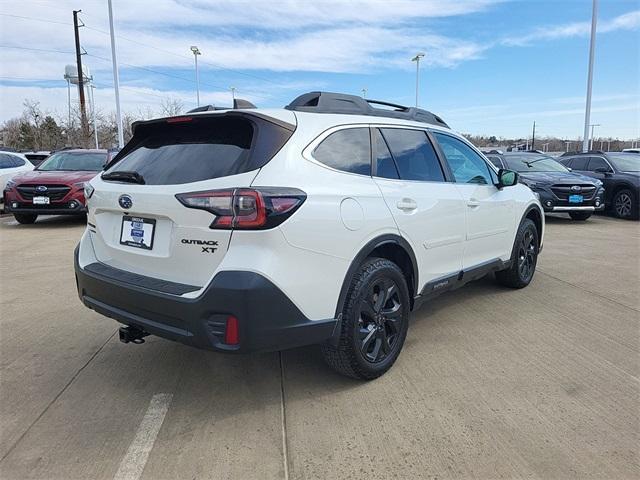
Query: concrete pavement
[{"x": 540, "y": 383}]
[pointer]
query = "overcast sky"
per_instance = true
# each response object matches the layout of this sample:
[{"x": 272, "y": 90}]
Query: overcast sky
[{"x": 491, "y": 67}]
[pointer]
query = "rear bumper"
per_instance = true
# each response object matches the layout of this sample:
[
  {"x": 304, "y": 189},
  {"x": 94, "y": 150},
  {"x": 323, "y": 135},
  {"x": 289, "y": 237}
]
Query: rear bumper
[{"x": 267, "y": 319}]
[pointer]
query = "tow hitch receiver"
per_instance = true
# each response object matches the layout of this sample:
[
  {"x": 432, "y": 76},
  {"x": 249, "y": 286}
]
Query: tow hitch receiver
[{"x": 132, "y": 334}]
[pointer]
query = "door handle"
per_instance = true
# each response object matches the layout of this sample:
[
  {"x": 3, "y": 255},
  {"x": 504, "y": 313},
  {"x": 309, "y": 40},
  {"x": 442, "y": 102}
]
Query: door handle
[
  {"x": 407, "y": 204},
  {"x": 473, "y": 203}
]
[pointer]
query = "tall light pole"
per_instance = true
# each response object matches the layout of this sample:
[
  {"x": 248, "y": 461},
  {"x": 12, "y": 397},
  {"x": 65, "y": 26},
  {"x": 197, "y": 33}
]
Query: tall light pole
[
  {"x": 592, "y": 49},
  {"x": 68, "y": 79},
  {"x": 93, "y": 108},
  {"x": 593, "y": 126},
  {"x": 116, "y": 78},
  {"x": 417, "y": 60},
  {"x": 197, "y": 52}
]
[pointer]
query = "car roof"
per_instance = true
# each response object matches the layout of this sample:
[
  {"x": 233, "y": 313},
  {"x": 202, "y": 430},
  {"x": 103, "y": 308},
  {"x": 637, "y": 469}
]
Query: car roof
[{"x": 83, "y": 150}]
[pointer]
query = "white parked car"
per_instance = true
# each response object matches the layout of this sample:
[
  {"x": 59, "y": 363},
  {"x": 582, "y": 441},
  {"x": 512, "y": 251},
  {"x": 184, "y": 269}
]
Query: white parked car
[
  {"x": 11, "y": 163},
  {"x": 326, "y": 222}
]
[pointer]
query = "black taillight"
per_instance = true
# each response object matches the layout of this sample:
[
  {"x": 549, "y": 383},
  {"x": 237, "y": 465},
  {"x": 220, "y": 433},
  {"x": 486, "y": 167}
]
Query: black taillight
[{"x": 246, "y": 208}]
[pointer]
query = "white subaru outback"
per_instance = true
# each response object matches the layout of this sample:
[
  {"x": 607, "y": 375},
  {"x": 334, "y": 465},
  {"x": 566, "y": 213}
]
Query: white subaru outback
[{"x": 325, "y": 222}]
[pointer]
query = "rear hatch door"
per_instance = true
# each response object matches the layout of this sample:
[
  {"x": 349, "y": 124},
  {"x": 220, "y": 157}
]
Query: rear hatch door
[{"x": 138, "y": 223}]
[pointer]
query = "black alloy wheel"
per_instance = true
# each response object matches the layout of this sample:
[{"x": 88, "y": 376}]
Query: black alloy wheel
[
  {"x": 378, "y": 327},
  {"x": 527, "y": 255},
  {"x": 373, "y": 321}
]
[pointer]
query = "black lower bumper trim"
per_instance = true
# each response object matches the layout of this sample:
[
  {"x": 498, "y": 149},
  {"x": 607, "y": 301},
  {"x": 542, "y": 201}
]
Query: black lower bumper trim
[
  {"x": 46, "y": 211},
  {"x": 267, "y": 318}
]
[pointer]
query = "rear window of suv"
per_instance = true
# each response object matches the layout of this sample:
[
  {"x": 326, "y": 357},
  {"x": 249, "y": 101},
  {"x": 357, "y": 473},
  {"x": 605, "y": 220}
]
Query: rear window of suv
[{"x": 177, "y": 151}]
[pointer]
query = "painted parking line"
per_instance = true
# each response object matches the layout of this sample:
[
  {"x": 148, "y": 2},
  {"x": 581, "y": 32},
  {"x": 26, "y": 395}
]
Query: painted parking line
[{"x": 134, "y": 461}]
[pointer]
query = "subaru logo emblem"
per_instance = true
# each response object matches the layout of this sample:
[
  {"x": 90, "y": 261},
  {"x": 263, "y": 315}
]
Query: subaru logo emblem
[
  {"x": 41, "y": 188},
  {"x": 576, "y": 188},
  {"x": 125, "y": 202}
]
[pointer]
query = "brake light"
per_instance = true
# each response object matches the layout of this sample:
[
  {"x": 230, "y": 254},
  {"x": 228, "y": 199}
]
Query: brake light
[
  {"x": 179, "y": 119},
  {"x": 246, "y": 208}
]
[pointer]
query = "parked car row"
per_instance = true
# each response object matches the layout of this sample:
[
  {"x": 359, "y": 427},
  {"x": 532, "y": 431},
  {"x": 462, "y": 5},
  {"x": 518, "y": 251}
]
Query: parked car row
[{"x": 579, "y": 183}]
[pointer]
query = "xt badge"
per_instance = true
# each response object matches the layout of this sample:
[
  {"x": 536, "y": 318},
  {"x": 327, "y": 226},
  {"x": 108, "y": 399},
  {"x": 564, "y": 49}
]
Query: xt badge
[{"x": 208, "y": 246}]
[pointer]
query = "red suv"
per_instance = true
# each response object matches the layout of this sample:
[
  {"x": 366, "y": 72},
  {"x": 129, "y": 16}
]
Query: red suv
[{"x": 55, "y": 187}]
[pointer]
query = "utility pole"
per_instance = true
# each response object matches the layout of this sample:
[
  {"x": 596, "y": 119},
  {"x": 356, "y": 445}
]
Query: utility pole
[
  {"x": 364, "y": 92},
  {"x": 533, "y": 137},
  {"x": 83, "y": 113},
  {"x": 592, "y": 49}
]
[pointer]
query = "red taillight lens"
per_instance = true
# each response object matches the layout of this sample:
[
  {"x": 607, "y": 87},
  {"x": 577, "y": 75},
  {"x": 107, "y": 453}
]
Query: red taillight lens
[
  {"x": 246, "y": 208},
  {"x": 231, "y": 332}
]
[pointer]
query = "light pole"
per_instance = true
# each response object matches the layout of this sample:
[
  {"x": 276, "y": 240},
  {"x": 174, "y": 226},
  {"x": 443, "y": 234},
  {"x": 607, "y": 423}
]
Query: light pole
[
  {"x": 233, "y": 95},
  {"x": 66, "y": 77},
  {"x": 417, "y": 60},
  {"x": 116, "y": 80},
  {"x": 93, "y": 109},
  {"x": 592, "y": 49},
  {"x": 593, "y": 126},
  {"x": 364, "y": 92},
  {"x": 197, "y": 52}
]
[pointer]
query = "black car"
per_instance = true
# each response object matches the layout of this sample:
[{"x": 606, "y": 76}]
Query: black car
[
  {"x": 559, "y": 189},
  {"x": 620, "y": 173}
]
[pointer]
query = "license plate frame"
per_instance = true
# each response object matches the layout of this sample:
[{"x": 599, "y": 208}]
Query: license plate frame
[
  {"x": 576, "y": 198},
  {"x": 136, "y": 234},
  {"x": 41, "y": 200}
]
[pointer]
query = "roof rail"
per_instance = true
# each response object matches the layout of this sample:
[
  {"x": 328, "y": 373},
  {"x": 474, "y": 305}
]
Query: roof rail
[
  {"x": 329, "y": 102},
  {"x": 580, "y": 152}
]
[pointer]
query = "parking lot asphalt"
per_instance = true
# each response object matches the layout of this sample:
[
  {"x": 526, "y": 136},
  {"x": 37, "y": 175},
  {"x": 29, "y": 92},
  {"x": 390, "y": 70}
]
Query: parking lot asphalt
[{"x": 492, "y": 383}]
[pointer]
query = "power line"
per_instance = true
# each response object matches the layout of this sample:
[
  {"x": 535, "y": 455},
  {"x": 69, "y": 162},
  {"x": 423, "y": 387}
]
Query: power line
[
  {"x": 48, "y": 50},
  {"x": 24, "y": 17}
]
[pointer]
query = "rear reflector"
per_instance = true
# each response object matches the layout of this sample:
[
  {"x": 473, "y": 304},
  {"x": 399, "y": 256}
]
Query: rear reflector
[
  {"x": 246, "y": 208},
  {"x": 231, "y": 331}
]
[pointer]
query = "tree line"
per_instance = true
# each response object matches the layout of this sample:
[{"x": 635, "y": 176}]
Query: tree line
[{"x": 38, "y": 130}]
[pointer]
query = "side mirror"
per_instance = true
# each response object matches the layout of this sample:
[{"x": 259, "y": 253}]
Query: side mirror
[
  {"x": 507, "y": 178},
  {"x": 570, "y": 169},
  {"x": 602, "y": 170}
]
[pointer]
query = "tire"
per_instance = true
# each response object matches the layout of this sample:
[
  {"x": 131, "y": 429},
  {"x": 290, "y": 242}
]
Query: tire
[
  {"x": 26, "y": 218},
  {"x": 580, "y": 216},
  {"x": 524, "y": 257},
  {"x": 625, "y": 204},
  {"x": 373, "y": 327}
]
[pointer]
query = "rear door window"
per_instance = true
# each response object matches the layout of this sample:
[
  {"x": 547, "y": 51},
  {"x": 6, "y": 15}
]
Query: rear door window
[
  {"x": 579, "y": 163},
  {"x": 201, "y": 148},
  {"x": 348, "y": 150},
  {"x": 597, "y": 162},
  {"x": 414, "y": 155}
]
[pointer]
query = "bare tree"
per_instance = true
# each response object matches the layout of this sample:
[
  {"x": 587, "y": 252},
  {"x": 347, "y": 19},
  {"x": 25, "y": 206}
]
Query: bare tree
[{"x": 170, "y": 107}]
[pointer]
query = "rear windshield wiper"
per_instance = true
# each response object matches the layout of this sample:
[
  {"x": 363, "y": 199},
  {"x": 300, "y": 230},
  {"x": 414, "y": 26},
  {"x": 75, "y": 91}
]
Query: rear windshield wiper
[{"x": 123, "y": 176}]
